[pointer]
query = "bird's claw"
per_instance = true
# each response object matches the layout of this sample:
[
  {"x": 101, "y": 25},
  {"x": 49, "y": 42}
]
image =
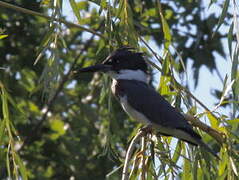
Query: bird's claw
[{"x": 147, "y": 129}]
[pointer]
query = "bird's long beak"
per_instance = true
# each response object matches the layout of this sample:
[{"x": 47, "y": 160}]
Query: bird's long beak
[{"x": 96, "y": 68}]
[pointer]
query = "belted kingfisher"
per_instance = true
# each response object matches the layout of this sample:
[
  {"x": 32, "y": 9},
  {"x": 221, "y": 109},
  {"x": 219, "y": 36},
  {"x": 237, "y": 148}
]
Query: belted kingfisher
[{"x": 129, "y": 72}]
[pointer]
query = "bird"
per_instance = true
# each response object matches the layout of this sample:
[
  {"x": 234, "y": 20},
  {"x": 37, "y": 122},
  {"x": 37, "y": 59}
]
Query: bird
[{"x": 130, "y": 85}]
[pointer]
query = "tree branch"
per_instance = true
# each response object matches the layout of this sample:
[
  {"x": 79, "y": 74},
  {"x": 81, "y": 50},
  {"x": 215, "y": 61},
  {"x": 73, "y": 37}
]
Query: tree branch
[
  {"x": 125, "y": 175},
  {"x": 27, "y": 11}
]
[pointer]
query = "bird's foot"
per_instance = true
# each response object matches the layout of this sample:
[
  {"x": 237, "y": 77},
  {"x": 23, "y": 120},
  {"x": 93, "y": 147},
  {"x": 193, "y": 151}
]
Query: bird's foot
[{"x": 147, "y": 129}]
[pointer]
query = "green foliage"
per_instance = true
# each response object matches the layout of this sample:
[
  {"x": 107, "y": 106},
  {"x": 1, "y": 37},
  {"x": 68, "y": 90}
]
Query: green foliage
[
  {"x": 57, "y": 124},
  {"x": 8, "y": 142}
]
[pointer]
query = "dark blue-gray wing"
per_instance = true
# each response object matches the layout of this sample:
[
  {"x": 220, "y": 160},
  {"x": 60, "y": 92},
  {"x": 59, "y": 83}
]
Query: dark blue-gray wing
[{"x": 146, "y": 100}]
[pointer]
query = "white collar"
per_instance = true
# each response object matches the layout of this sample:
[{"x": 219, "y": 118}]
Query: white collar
[{"x": 128, "y": 74}]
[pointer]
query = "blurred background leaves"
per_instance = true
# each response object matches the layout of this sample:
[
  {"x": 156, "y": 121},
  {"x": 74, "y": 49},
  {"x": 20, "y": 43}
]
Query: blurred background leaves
[{"x": 71, "y": 126}]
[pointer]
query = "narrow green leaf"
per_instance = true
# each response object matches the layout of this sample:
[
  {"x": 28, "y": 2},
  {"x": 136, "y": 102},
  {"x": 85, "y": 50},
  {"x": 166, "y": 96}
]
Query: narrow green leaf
[
  {"x": 234, "y": 168},
  {"x": 186, "y": 168},
  {"x": 3, "y": 36},
  {"x": 223, "y": 163},
  {"x": 206, "y": 168},
  {"x": 199, "y": 173},
  {"x": 165, "y": 66},
  {"x": 44, "y": 43},
  {"x": 213, "y": 121},
  {"x": 2, "y": 128},
  {"x": 46, "y": 39},
  {"x": 165, "y": 79},
  {"x": 13, "y": 129},
  {"x": 166, "y": 29},
  {"x": 224, "y": 176},
  {"x": 75, "y": 9},
  {"x": 114, "y": 172},
  {"x": 13, "y": 103},
  {"x": 235, "y": 90},
  {"x": 195, "y": 167},
  {"x": 177, "y": 152},
  {"x": 180, "y": 59},
  {"x": 8, "y": 165},
  {"x": 225, "y": 91},
  {"x": 233, "y": 121},
  {"x": 234, "y": 65},
  {"x": 223, "y": 15},
  {"x": 229, "y": 39},
  {"x": 22, "y": 167},
  {"x": 63, "y": 42},
  {"x": 4, "y": 105},
  {"x": 164, "y": 87}
]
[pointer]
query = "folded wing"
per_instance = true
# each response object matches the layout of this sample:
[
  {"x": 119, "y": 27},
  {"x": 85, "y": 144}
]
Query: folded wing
[{"x": 152, "y": 105}]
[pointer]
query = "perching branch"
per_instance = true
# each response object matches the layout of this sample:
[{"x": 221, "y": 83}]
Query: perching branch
[
  {"x": 125, "y": 174},
  {"x": 143, "y": 159},
  {"x": 27, "y": 11}
]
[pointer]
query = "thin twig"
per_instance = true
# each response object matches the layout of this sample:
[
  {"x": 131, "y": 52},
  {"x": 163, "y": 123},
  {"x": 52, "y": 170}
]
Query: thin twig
[
  {"x": 27, "y": 11},
  {"x": 142, "y": 162},
  {"x": 193, "y": 97},
  {"x": 154, "y": 53},
  {"x": 134, "y": 166},
  {"x": 125, "y": 175}
]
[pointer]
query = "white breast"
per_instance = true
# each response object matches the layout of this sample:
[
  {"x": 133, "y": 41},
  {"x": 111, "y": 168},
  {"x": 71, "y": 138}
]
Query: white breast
[
  {"x": 132, "y": 112},
  {"x": 113, "y": 86}
]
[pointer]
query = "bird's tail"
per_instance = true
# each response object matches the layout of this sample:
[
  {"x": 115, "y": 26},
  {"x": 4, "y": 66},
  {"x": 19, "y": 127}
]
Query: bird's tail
[
  {"x": 193, "y": 138},
  {"x": 207, "y": 148}
]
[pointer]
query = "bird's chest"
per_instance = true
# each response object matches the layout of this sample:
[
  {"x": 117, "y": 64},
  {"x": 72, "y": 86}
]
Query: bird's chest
[
  {"x": 131, "y": 111},
  {"x": 119, "y": 92},
  {"x": 117, "y": 89},
  {"x": 114, "y": 87}
]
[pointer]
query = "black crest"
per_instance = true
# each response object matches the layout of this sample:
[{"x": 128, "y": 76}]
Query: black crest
[{"x": 126, "y": 58}]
